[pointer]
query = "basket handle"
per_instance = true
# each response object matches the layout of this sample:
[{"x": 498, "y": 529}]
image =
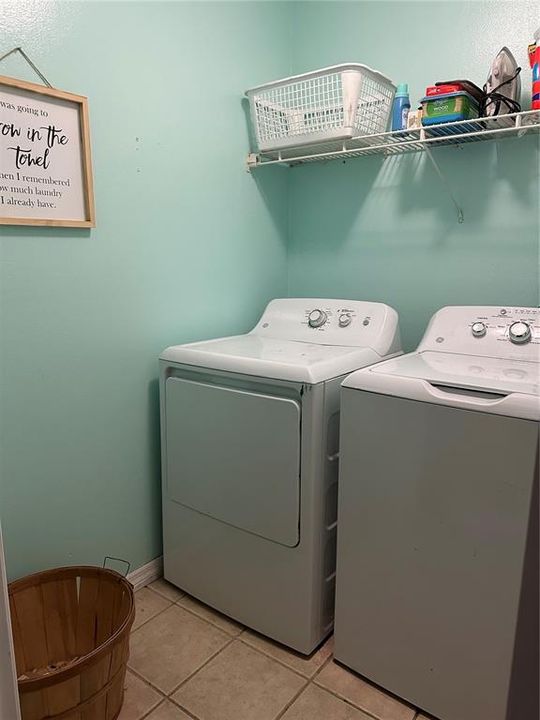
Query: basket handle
[{"x": 120, "y": 560}]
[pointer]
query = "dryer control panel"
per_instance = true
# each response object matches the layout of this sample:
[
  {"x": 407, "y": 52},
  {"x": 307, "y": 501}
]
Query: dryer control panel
[
  {"x": 328, "y": 318},
  {"x": 505, "y": 332},
  {"x": 348, "y": 323}
]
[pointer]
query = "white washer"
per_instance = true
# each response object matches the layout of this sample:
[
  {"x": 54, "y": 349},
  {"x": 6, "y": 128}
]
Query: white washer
[
  {"x": 250, "y": 428},
  {"x": 437, "y": 570}
]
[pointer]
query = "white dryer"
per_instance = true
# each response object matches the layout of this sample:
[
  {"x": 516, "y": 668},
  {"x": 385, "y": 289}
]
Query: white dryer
[
  {"x": 437, "y": 569},
  {"x": 250, "y": 428}
]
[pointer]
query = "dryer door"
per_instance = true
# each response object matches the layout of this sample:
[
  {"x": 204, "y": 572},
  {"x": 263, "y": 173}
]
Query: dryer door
[{"x": 235, "y": 455}]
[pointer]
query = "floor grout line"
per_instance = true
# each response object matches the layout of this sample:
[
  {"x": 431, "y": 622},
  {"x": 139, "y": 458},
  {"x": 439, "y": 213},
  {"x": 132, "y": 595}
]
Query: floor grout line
[
  {"x": 304, "y": 688},
  {"x": 238, "y": 636},
  {"x": 232, "y": 638},
  {"x": 162, "y": 595},
  {"x": 167, "y": 696},
  {"x": 323, "y": 665},
  {"x": 182, "y": 607},
  {"x": 308, "y": 679},
  {"x": 153, "y": 616},
  {"x": 282, "y": 662},
  {"x": 162, "y": 702},
  {"x": 347, "y": 701},
  {"x": 205, "y": 663},
  {"x": 163, "y": 694},
  {"x": 149, "y": 712},
  {"x": 350, "y": 703},
  {"x": 189, "y": 713},
  {"x": 291, "y": 702},
  {"x": 353, "y": 704},
  {"x": 213, "y": 624},
  {"x": 147, "y": 682}
]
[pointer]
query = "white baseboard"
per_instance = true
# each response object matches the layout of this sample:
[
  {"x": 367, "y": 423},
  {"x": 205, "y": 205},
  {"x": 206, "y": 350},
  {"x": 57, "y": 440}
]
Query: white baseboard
[{"x": 146, "y": 574}]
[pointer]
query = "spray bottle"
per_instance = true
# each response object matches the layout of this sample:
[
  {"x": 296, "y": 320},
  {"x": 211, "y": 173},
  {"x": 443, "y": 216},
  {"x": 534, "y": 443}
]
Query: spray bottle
[{"x": 534, "y": 59}]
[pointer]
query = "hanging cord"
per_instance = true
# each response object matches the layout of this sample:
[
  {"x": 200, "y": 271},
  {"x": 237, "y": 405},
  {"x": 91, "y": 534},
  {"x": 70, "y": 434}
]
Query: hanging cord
[
  {"x": 25, "y": 56},
  {"x": 496, "y": 98}
]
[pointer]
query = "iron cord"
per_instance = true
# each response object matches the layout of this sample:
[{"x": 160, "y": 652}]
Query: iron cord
[{"x": 498, "y": 99}]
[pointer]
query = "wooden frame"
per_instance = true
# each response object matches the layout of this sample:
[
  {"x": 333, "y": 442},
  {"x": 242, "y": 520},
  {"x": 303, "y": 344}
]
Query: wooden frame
[{"x": 18, "y": 122}]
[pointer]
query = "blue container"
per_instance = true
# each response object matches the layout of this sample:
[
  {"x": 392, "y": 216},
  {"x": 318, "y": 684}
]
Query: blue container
[
  {"x": 401, "y": 107},
  {"x": 449, "y": 107}
]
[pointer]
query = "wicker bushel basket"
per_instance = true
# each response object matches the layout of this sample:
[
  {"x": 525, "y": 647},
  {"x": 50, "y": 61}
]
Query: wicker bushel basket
[{"x": 71, "y": 634}]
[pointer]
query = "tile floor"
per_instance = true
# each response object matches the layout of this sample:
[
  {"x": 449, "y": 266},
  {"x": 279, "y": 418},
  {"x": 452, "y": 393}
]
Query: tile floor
[{"x": 188, "y": 662}]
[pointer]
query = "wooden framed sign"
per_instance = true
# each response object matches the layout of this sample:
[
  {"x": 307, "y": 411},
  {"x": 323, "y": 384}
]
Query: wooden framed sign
[{"x": 45, "y": 162}]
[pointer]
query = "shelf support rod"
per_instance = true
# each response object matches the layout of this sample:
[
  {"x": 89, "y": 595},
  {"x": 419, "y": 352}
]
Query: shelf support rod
[{"x": 445, "y": 182}]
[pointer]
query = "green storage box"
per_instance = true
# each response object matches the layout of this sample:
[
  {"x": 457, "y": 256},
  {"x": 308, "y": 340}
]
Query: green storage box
[{"x": 449, "y": 108}]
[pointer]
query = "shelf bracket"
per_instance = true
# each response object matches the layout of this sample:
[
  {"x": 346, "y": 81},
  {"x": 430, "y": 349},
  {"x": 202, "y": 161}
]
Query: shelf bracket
[
  {"x": 252, "y": 161},
  {"x": 445, "y": 182}
]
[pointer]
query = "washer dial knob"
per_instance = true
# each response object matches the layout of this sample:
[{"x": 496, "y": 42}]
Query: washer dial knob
[
  {"x": 478, "y": 329},
  {"x": 316, "y": 318},
  {"x": 344, "y": 320},
  {"x": 519, "y": 332}
]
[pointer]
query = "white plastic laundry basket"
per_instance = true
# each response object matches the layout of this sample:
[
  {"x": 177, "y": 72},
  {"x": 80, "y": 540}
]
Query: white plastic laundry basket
[{"x": 333, "y": 103}]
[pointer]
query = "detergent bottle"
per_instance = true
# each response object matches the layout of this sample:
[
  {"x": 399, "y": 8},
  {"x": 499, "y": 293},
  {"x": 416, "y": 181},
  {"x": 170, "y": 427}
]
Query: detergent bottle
[
  {"x": 401, "y": 107},
  {"x": 534, "y": 59}
]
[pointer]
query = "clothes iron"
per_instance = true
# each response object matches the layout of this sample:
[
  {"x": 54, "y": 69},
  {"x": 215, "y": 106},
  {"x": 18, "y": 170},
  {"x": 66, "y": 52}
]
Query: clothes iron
[{"x": 503, "y": 85}]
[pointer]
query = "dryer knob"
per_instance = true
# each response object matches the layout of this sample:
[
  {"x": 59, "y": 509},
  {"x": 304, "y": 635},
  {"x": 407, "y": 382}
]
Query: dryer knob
[
  {"x": 519, "y": 332},
  {"x": 316, "y": 318},
  {"x": 344, "y": 320},
  {"x": 478, "y": 329}
]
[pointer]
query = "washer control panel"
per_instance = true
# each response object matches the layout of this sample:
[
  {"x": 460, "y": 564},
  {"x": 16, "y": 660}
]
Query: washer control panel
[
  {"x": 507, "y": 332},
  {"x": 349, "y": 323}
]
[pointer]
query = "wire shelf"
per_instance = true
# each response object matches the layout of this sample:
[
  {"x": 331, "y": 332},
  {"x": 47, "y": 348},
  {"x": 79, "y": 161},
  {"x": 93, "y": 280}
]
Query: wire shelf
[{"x": 405, "y": 141}]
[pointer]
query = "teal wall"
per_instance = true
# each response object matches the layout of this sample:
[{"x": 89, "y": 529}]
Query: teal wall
[
  {"x": 187, "y": 246},
  {"x": 386, "y": 229}
]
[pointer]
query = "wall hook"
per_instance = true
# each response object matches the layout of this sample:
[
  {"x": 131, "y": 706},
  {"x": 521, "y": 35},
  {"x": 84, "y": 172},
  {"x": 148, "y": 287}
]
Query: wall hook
[{"x": 32, "y": 65}]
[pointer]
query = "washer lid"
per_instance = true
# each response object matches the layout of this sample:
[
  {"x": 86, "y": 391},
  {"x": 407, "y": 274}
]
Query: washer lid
[
  {"x": 273, "y": 358},
  {"x": 496, "y": 385}
]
